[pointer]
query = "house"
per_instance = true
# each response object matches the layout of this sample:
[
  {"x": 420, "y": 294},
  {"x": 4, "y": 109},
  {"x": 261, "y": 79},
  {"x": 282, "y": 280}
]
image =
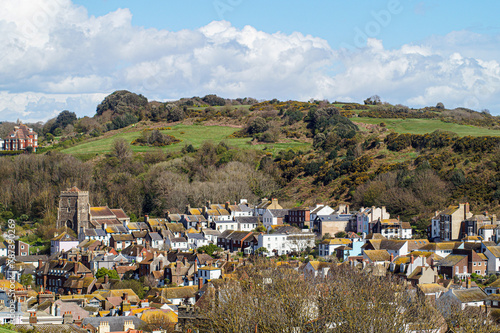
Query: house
[
  {"x": 477, "y": 262},
  {"x": 211, "y": 235},
  {"x": 177, "y": 243},
  {"x": 21, "y": 138},
  {"x": 327, "y": 247},
  {"x": 299, "y": 217},
  {"x": 472, "y": 226},
  {"x": 376, "y": 257},
  {"x": 196, "y": 240},
  {"x": 422, "y": 275},
  {"x": 331, "y": 224},
  {"x": 175, "y": 295},
  {"x": 62, "y": 242},
  {"x": 320, "y": 209},
  {"x": 233, "y": 240},
  {"x": 285, "y": 240},
  {"x": 247, "y": 223},
  {"x": 394, "y": 247},
  {"x": 447, "y": 224},
  {"x": 21, "y": 248},
  {"x": 493, "y": 255},
  {"x": 363, "y": 219},
  {"x": 208, "y": 273},
  {"x": 454, "y": 265},
  {"x": 265, "y": 204},
  {"x": 223, "y": 225},
  {"x": 493, "y": 288},
  {"x": 112, "y": 324},
  {"x": 317, "y": 268},
  {"x": 241, "y": 209},
  {"x": 393, "y": 228},
  {"x": 274, "y": 217},
  {"x": 155, "y": 240},
  {"x": 431, "y": 291},
  {"x": 462, "y": 298},
  {"x": 441, "y": 249},
  {"x": 119, "y": 242},
  {"x": 95, "y": 234},
  {"x": 53, "y": 274}
]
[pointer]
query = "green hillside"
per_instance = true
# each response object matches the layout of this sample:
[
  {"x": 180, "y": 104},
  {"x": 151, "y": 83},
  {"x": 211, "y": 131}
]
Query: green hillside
[
  {"x": 188, "y": 134},
  {"x": 423, "y": 126}
]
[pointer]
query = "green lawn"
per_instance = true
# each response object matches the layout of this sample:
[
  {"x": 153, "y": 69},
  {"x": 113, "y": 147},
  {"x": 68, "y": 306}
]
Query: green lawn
[
  {"x": 189, "y": 134},
  {"x": 422, "y": 126}
]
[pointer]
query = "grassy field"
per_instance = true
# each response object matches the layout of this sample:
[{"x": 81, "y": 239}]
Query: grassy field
[
  {"x": 422, "y": 126},
  {"x": 189, "y": 134}
]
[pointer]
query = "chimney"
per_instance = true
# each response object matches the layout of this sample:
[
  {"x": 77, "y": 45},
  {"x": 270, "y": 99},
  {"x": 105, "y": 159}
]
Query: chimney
[
  {"x": 146, "y": 218},
  {"x": 33, "y": 319},
  {"x": 493, "y": 219},
  {"x": 228, "y": 257},
  {"x": 106, "y": 278},
  {"x": 40, "y": 263},
  {"x": 195, "y": 267},
  {"x": 466, "y": 209},
  {"x": 412, "y": 259},
  {"x": 227, "y": 205},
  {"x": 392, "y": 257},
  {"x": 200, "y": 283},
  {"x": 75, "y": 268},
  {"x": 103, "y": 327},
  {"x": 185, "y": 261},
  {"x": 468, "y": 282},
  {"x": 128, "y": 324},
  {"x": 125, "y": 297}
]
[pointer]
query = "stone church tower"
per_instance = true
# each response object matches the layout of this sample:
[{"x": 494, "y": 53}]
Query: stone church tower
[{"x": 73, "y": 211}]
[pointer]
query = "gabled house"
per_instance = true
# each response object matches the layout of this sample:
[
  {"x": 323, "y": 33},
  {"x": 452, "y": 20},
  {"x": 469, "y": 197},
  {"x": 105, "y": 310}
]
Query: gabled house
[
  {"x": 53, "y": 274},
  {"x": 119, "y": 242},
  {"x": 285, "y": 239},
  {"x": 462, "y": 298},
  {"x": 364, "y": 218},
  {"x": 477, "y": 262},
  {"x": 196, "y": 240},
  {"x": 62, "y": 242},
  {"x": 331, "y": 224},
  {"x": 454, "y": 265},
  {"x": 211, "y": 235},
  {"x": 247, "y": 223},
  {"x": 393, "y": 228},
  {"x": 493, "y": 255},
  {"x": 178, "y": 243},
  {"x": 320, "y": 209},
  {"x": 155, "y": 240},
  {"x": 265, "y": 204},
  {"x": 377, "y": 257},
  {"x": 327, "y": 247},
  {"x": 233, "y": 240},
  {"x": 208, "y": 273},
  {"x": 274, "y": 217}
]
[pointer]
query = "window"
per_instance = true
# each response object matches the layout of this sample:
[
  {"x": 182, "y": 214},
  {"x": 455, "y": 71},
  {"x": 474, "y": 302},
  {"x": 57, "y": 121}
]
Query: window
[{"x": 474, "y": 264}]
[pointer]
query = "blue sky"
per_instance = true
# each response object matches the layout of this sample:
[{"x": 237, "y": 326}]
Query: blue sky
[{"x": 63, "y": 54}]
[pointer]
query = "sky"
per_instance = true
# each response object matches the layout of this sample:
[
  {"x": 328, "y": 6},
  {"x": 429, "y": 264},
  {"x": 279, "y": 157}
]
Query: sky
[{"x": 60, "y": 55}]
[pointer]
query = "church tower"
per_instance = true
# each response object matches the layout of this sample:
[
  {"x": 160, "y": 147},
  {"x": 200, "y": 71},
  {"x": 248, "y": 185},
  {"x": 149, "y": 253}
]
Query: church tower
[{"x": 73, "y": 211}]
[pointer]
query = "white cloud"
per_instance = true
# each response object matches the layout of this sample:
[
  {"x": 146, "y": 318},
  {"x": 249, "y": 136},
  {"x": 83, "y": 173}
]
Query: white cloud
[{"x": 55, "y": 57}]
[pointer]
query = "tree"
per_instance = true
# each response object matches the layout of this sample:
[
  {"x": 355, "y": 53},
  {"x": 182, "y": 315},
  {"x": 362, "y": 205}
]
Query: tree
[
  {"x": 373, "y": 100},
  {"x": 257, "y": 125},
  {"x": 157, "y": 320},
  {"x": 111, "y": 273},
  {"x": 261, "y": 251},
  {"x": 340, "y": 234},
  {"x": 121, "y": 149},
  {"x": 209, "y": 249},
  {"x": 440, "y": 106},
  {"x": 26, "y": 279}
]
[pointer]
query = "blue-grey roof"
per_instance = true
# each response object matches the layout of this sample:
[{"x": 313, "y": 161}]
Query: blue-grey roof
[
  {"x": 155, "y": 236},
  {"x": 195, "y": 236},
  {"x": 115, "y": 323}
]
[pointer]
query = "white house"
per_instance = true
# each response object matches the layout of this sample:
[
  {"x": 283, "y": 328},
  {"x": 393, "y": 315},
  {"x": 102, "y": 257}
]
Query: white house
[
  {"x": 285, "y": 240},
  {"x": 247, "y": 223},
  {"x": 321, "y": 210},
  {"x": 4, "y": 249},
  {"x": 493, "y": 255},
  {"x": 178, "y": 243},
  {"x": 222, "y": 225},
  {"x": 94, "y": 234},
  {"x": 155, "y": 240},
  {"x": 211, "y": 235},
  {"x": 209, "y": 273},
  {"x": 62, "y": 242},
  {"x": 196, "y": 240},
  {"x": 462, "y": 298},
  {"x": 327, "y": 247},
  {"x": 368, "y": 215}
]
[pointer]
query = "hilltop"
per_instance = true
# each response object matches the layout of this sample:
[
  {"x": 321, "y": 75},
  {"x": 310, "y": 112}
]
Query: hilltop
[{"x": 148, "y": 156}]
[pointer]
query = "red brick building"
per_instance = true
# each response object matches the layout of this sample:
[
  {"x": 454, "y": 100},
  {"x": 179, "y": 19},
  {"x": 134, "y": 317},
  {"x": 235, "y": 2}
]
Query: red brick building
[{"x": 21, "y": 138}]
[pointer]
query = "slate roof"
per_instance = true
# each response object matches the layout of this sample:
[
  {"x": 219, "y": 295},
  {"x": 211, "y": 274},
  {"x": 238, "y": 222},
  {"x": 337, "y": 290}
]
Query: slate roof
[
  {"x": 122, "y": 238},
  {"x": 195, "y": 236},
  {"x": 155, "y": 236},
  {"x": 115, "y": 323},
  {"x": 247, "y": 219},
  {"x": 470, "y": 295},
  {"x": 278, "y": 212},
  {"x": 451, "y": 260}
]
